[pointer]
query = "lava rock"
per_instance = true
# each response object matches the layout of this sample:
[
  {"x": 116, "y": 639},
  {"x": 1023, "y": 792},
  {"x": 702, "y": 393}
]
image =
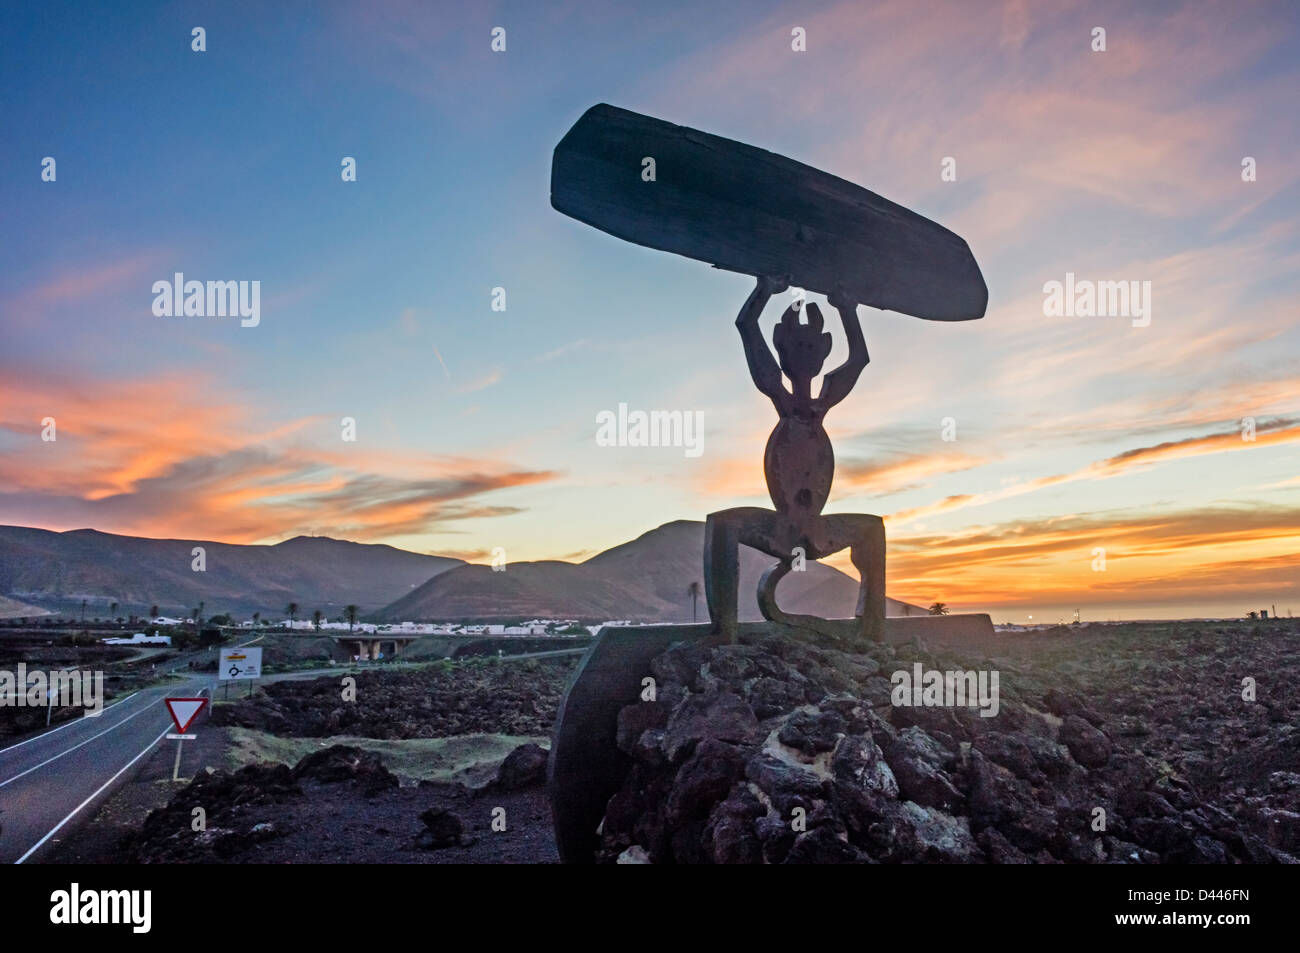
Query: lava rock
[
  {"x": 933, "y": 836},
  {"x": 722, "y": 716},
  {"x": 1283, "y": 829},
  {"x": 346, "y": 763},
  {"x": 858, "y": 761},
  {"x": 811, "y": 731},
  {"x": 732, "y": 832},
  {"x": 704, "y": 779},
  {"x": 821, "y": 845},
  {"x": 916, "y": 761},
  {"x": 636, "y": 720},
  {"x": 441, "y": 829},
  {"x": 525, "y": 767},
  {"x": 1087, "y": 745},
  {"x": 788, "y": 749}
]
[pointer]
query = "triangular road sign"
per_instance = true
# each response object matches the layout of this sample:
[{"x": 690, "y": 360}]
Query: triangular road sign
[{"x": 183, "y": 711}]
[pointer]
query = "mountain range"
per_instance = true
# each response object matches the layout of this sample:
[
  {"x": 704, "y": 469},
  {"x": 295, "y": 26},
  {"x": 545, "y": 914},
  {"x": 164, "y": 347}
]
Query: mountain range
[
  {"x": 55, "y": 571},
  {"x": 645, "y": 579}
]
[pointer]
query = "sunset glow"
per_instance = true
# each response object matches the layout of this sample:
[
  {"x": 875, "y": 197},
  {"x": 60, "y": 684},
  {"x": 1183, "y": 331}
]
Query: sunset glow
[{"x": 1170, "y": 446}]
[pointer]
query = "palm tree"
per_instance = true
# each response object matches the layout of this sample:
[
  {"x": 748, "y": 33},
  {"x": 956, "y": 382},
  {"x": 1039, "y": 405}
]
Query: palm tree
[
  {"x": 292, "y": 611},
  {"x": 315, "y": 619},
  {"x": 257, "y": 617},
  {"x": 83, "y": 611},
  {"x": 153, "y": 612},
  {"x": 1252, "y": 614},
  {"x": 693, "y": 590},
  {"x": 939, "y": 608},
  {"x": 112, "y": 610},
  {"x": 351, "y": 613}
]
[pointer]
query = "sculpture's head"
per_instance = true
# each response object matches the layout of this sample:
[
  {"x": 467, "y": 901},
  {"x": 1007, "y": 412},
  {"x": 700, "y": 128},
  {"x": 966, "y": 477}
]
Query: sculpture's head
[{"x": 801, "y": 348}]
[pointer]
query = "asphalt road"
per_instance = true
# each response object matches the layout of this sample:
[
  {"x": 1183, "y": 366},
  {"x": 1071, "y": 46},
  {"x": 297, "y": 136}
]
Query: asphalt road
[{"x": 53, "y": 780}]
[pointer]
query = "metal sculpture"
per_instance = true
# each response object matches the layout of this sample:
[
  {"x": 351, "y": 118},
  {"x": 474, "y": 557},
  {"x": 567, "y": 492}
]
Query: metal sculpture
[
  {"x": 799, "y": 464},
  {"x": 747, "y": 210}
]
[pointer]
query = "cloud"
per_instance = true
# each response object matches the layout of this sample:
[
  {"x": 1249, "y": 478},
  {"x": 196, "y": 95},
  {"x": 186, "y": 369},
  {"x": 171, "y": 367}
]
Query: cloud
[
  {"x": 1044, "y": 130},
  {"x": 562, "y": 350},
  {"x": 159, "y": 456},
  {"x": 900, "y": 473},
  {"x": 88, "y": 280},
  {"x": 1194, "y": 556},
  {"x": 1268, "y": 433},
  {"x": 482, "y": 382}
]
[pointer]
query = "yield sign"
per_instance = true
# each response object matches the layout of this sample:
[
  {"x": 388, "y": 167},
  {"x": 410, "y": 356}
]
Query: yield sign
[{"x": 183, "y": 711}]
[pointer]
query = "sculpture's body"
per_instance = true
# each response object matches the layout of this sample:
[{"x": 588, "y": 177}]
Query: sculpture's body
[{"x": 799, "y": 465}]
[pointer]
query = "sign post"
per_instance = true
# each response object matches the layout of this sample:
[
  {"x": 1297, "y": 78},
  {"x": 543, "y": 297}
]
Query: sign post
[
  {"x": 176, "y": 767},
  {"x": 183, "y": 712}
]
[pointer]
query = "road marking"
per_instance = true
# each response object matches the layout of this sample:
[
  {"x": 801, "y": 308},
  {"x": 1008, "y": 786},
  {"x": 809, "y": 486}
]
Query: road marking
[
  {"x": 54, "y": 830},
  {"x": 75, "y": 747},
  {"x": 68, "y": 724},
  {"x": 35, "y": 847}
]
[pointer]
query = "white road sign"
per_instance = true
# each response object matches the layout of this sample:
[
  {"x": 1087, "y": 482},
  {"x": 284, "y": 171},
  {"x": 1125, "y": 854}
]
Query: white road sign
[{"x": 240, "y": 663}]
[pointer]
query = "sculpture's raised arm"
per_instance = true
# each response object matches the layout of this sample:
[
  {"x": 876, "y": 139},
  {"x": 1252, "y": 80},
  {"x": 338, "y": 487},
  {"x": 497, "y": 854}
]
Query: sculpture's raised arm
[
  {"x": 837, "y": 383},
  {"x": 762, "y": 365}
]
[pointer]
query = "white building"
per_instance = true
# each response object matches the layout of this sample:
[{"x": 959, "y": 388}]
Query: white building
[{"x": 140, "y": 639}]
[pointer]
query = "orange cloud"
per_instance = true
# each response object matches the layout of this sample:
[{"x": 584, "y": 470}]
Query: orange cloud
[
  {"x": 902, "y": 472},
  {"x": 1265, "y": 435},
  {"x": 84, "y": 281},
  {"x": 160, "y": 456},
  {"x": 1186, "y": 556},
  {"x": 1269, "y": 433}
]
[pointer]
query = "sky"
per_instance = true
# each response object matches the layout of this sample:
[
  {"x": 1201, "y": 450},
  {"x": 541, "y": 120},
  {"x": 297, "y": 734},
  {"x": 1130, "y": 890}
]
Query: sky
[{"x": 1095, "y": 462}]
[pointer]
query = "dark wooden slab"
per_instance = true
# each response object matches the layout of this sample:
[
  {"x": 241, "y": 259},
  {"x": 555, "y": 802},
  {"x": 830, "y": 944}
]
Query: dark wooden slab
[{"x": 749, "y": 210}]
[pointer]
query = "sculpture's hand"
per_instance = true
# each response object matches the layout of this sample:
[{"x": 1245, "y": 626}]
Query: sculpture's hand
[{"x": 841, "y": 300}]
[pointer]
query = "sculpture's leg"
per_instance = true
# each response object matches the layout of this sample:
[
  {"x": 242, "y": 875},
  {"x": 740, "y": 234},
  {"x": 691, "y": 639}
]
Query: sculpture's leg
[
  {"x": 767, "y": 590},
  {"x": 721, "y": 572},
  {"x": 868, "y": 556},
  {"x": 774, "y": 613},
  {"x": 777, "y": 536},
  {"x": 865, "y": 538},
  {"x": 724, "y": 531}
]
